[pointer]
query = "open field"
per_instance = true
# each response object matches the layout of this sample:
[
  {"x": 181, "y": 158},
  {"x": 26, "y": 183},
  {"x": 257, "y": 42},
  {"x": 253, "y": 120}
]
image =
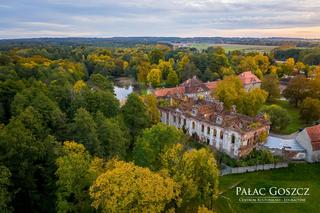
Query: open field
[
  {"x": 232, "y": 47},
  {"x": 296, "y": 175},
  {"x": 295, "y": 123}
]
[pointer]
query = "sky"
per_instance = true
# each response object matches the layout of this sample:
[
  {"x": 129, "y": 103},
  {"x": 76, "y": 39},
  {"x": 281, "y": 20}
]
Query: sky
[{"x": 182, "y": 18}]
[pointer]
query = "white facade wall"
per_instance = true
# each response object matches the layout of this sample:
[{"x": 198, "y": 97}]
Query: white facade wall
[
  {"x": 230, "y": 143},
  {"x": 251, "y": 86},
  {"x": 304, "y": 140}
]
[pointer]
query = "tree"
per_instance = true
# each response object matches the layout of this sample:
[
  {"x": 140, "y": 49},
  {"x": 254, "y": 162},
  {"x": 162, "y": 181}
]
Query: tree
[
  {"x": 128, "y": 187},
  {"x": 112, "y": 139},
  {"x": 195, "y": 171},
  {"x": 153, "y": 142},
  {"x": 288, "y": 66},
  {"x": 154, "y": 77},
  {"x": 142, "y": 71},
  {"x": 217, "y": 59},
  {"x": 97, "y": 100},
  {"x": 279, "y": 117},
  {"x": 135, "y": 114},
  {"x": 79, "y": 86},
  {"x": 172, "y": 79},
  {"x": 84, "y": 131},
  {"x": 73, "y": 180},
  {"x": 229, "y": 90},
  {"x": 5, "y": 196},
  {"x": 270, "y": 84},
  {"x": 202, "y": 209},
  {"x": 155, "y": 56},
  {"x": 250, "y": 102},
  {"x": 52, "y": 117},
  {"x": 296, "y": 91},
  {"x": 166, "y": 68},
  {"x": 310, "y": 109},
  {"x": 151, "y": 102},
  {"x": 98, "y": 81},
  {"x": 28, "y": 151}
]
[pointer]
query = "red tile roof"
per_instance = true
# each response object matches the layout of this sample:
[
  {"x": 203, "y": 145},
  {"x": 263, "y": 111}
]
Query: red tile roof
[
  {"x": 314, "y": 134},
  {"x": 194, "y": 85},
  {"x": 212, "y": 85},
  {"x": 248, "y": 78},
  {"x": 169, "y": 91}
]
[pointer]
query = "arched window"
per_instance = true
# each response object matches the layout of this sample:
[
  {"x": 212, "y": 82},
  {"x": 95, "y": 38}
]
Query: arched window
[
  {"x": 214, "y": 133},
  {"x": 193, "y": 125},
  {"x": 221, "y": 135},
  {"x": 208, "y": 130},
  {"x": 233, "y": 139},
  {"x": 202, "y": 128}
]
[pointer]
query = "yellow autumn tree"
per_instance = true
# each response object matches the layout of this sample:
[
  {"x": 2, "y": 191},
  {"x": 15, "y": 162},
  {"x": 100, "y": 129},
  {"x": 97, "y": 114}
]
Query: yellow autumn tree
[
  {"x": 150, "y": 101},
  {"x": 229, "y": 90},
  {"x": 154, "y": 77},
  {"x": 130, "y": 188},
  {"x": 195, "y": 171},
  {"x": 202, "y": 209},
  {"x": 79, "y": 85}
]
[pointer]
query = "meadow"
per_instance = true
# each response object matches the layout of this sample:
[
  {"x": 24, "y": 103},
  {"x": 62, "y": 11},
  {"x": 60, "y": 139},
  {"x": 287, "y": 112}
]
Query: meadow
[{"x": 232, "y": 47}]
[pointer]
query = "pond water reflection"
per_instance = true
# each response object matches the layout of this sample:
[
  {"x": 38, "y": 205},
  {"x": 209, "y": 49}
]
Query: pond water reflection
[{"x": 122, "y": 92}]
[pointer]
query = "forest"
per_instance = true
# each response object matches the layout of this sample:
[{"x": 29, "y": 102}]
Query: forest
[{"x": 67, "y": 145}]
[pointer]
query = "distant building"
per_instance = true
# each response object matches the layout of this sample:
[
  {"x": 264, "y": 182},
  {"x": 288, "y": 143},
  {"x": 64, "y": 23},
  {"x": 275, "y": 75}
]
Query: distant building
[
  {"x": 309, "y": 139},
  {"x": 225, "y": 130},
  {"x": 194, "y": 88},
  {"x": 249, "y": 80}
]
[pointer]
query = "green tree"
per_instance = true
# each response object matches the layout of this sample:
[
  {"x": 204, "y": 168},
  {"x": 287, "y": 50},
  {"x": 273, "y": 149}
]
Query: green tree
[
  {"x": 84, "y": 131},
  {"x": 270, "y": 84},
  {"x": 98, "y": 81},
  {"x": 28, "y": 151},
  {"x": 153, "y": 142},
  {"x": 297, "y": 90},
  {"x": 310, "y": 109},
  {"x": 279, "y": 117},
  {"x": 135, "y": 114},
  {"x": 73, "y": 180},
  {"x": 97, "y": 100},
  {"x": 53, "y": 118},
  {"x": 111, "y": 136},
  {"x": 128, "y": 187},
  {"x": 5, "y": 196},
  {"x": 156, "y": 55}
]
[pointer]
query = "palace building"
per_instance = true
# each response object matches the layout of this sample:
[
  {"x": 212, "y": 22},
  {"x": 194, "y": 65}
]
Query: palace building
[{"x": 225, "y": 130}]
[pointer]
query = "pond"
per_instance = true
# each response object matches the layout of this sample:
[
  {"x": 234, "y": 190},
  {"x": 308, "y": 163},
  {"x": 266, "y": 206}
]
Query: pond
[
  {"x": 122, "y": 92},
  {"x": 124, "y": 86}
]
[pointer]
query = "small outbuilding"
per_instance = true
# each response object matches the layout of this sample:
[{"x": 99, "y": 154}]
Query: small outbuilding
[{"x": 309, "y": 139}]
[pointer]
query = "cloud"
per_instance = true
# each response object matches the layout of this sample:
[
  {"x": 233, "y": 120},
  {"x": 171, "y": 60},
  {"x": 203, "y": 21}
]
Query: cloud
[{"x": 34, "y": 18}]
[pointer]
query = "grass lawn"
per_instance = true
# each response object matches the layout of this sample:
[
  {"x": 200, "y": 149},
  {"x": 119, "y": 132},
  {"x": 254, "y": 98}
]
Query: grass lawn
[
  {"x": 295, "y": 123},
  {"x": 296, "y": 175},
  {"x": 232, "y": 47}
]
